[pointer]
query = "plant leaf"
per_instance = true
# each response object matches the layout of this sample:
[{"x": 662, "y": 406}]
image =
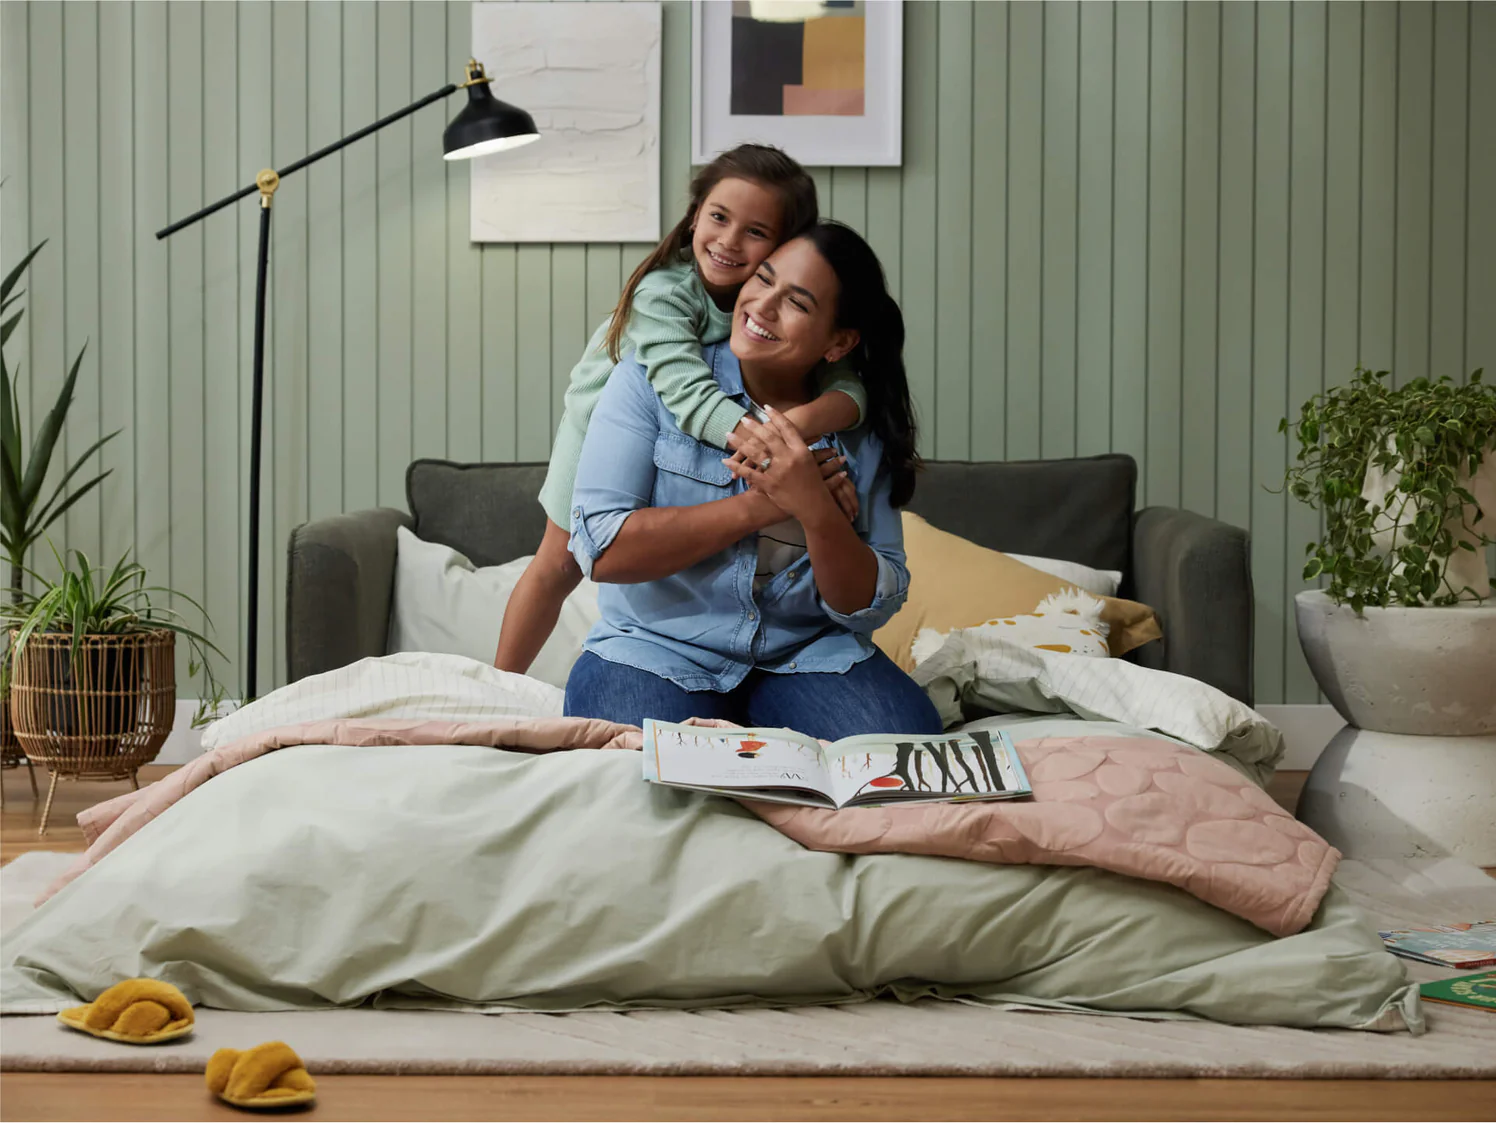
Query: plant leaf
[
  {"x": 12, "y": 514},
  {"x": 9, "y": 325},
  {"x": 10, "y": 425},
  {"x": 46, "y": 436},
  {"x": 71, "y": 499},
  {"x": 42, "y": 520},
  {"x": 15, "y": 274}
]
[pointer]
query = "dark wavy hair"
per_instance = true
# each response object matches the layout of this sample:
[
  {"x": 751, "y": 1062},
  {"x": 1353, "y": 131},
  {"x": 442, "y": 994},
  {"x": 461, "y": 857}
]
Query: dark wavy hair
[
  {"x": 759, "y": 163},
  {"x": 865, "y": 306}
]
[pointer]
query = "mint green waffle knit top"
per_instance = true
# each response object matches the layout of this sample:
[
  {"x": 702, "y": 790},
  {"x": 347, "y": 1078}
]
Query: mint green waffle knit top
[{"x": 673, "y": 317}]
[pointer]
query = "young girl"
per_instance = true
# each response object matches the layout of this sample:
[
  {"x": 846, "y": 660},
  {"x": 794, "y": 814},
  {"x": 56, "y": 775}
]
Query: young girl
[{"x": 743, "y": 205}]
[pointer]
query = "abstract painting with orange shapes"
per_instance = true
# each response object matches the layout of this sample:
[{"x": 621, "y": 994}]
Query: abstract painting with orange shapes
[
  {"x": 820, "y": 79},
  {"x": 799, "y": 59}
]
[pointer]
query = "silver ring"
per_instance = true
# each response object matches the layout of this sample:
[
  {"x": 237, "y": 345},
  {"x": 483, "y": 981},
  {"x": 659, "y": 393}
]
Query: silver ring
[{"x": 763, "y": 465}]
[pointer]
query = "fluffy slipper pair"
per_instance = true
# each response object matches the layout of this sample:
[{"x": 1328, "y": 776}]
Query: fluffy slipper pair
[{"x": 148, "y": 1012}]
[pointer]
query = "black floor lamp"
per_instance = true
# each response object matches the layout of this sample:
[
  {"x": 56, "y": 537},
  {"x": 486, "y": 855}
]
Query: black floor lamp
[{"x": 484, "y": 126}]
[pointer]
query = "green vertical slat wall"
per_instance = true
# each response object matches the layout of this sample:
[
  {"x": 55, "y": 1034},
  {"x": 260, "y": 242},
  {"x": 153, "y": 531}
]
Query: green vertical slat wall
[
  {"x": 1023, "y": 161},
  {"x": 1093, "y": 232},
  {"x": 1307, "y": 344},
  {"x": 1148, "y": 227}
]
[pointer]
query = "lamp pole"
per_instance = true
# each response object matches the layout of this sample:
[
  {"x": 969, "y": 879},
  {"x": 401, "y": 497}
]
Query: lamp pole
[{"x": 267, "y": 181}]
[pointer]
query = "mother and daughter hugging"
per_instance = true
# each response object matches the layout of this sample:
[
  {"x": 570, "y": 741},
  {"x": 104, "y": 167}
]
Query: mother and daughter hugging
[{"x": 743, "y": 586}]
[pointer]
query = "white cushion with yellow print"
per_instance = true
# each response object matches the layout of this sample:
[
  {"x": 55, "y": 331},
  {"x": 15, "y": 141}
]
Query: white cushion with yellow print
[{"x": 1069, "y": 623}]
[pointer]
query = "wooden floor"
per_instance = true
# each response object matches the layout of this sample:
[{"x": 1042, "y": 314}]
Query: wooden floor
[
  {"x": 130, "y": 1096},
  {"x": 150, "y": 1097}
]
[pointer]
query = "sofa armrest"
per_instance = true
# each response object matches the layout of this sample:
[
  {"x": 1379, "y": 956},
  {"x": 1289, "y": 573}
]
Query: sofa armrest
[
  {"x": 340, "y": 577},
  {"x": 1196, "y": 573}
]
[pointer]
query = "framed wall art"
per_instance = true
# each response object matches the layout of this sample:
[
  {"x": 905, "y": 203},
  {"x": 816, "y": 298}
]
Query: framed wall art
[
  {"x": 821, "y": 79},
  {"x": 590, "y": 76}
]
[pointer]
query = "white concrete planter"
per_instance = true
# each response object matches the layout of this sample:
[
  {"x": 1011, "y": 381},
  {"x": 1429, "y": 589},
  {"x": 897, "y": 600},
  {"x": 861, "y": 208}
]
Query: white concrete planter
[
  {"x": 1414, "y": 772},
  {"x": 1390, "y": 795},
  {"x": 1426, "y": 671}
]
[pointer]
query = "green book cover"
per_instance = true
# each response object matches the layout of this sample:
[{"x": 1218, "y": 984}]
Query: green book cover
[{"x": 1478, "y": 990}]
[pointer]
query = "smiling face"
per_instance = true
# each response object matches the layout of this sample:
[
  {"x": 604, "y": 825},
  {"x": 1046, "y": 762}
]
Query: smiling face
[
  {"x": 737, "y": 226},
  {"x": 785, "y": 318}
]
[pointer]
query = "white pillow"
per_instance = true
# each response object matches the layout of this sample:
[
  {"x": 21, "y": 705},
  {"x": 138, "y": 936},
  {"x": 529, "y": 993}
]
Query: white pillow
[
  {"x": 409, "y": 687},
  {"x": 981, "y": 668},
  {"x": 1099, "y": 582},
  {"x": 442, "y": 603}
]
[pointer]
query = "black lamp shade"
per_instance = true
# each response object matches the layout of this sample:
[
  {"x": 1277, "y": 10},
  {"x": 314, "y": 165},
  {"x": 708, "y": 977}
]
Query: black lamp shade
[{"x": 486, "y": 125}]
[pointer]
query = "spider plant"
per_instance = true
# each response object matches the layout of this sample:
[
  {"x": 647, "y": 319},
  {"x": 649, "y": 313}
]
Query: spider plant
[{"x": 87, "y": 601}]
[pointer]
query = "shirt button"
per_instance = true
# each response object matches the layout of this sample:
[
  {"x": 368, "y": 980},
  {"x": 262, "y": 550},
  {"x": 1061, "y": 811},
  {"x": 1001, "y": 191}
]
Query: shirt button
[
  {"x": 752, "y": 615},
  {"x": 792, "y": 666},
  {"x": 576, "y": 512}
]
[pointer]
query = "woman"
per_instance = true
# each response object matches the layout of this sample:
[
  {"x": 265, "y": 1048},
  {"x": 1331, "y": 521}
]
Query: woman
[{"x": 738, "y": 588}]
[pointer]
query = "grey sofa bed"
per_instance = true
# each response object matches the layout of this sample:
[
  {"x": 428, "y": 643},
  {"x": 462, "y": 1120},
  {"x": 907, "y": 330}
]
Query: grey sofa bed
[{"x": 1192, "y": 570}]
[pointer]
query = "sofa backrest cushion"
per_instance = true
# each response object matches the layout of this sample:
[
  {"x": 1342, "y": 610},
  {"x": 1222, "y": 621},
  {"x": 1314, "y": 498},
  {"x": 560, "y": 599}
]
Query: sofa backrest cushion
[
  {"x": 490, "y": 512},
  {"x": 1077, "y": 510}
]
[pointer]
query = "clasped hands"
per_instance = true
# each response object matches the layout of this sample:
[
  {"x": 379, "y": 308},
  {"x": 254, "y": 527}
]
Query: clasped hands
[{"x": 777, "y": 463}]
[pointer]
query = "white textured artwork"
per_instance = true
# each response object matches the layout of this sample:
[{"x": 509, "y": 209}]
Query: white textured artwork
[{"x": 590, "y": 76}]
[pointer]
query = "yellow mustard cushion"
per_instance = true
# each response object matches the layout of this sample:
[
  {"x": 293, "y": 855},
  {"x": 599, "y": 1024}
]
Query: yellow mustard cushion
[
  {"x": 269, "y": 1075},
  {"x": 955, "y": 583},
  {"x": 136, "y": 1012}
]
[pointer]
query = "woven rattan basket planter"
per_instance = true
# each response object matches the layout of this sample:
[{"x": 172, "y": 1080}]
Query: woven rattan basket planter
[{"x": 99, "y": 716}]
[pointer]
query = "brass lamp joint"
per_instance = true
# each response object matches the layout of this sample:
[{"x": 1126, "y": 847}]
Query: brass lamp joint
[
  {"x": 267, "y": 181},
  {"x": 476, "y": 75}
]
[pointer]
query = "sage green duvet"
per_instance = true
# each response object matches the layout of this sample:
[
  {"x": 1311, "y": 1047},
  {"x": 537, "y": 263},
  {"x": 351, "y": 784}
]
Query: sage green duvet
[{"x": 472, "y": 877}]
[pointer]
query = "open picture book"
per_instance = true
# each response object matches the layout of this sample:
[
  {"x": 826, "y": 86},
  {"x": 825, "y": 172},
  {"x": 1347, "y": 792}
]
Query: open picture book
[{"x": 872, "y": 770}]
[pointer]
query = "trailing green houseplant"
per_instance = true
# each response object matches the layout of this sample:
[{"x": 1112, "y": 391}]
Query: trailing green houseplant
[
  {"x": 25, "y": 511},
  {"x": 85, "y": 601},
  {"x": 1393, "y": 471}
]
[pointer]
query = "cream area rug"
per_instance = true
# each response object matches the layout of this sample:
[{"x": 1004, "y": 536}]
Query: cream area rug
[{"x": 874, "y": 1038}]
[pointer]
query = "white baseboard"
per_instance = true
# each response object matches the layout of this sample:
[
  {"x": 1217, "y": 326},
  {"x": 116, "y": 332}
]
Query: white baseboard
[{"x": 1307, "y": 729}]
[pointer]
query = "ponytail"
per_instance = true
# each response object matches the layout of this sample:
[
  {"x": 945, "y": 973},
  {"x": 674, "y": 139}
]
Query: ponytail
[{"x": 864, "y": 305}]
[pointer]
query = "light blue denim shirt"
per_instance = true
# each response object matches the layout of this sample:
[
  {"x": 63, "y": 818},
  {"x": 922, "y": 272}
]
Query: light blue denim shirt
[{"x": 704, "y": 628}]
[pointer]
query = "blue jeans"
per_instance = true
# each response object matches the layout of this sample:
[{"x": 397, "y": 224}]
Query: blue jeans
[{"x": 874, "y": 696}]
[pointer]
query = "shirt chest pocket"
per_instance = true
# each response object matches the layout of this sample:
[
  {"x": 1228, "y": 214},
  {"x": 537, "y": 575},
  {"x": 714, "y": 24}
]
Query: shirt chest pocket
[{"x": 689, "y": 472}]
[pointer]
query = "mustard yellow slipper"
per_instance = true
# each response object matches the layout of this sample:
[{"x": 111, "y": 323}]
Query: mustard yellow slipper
[
  {"x": 136, "y": 1011},
  {"x": 269, "y": 1075}
]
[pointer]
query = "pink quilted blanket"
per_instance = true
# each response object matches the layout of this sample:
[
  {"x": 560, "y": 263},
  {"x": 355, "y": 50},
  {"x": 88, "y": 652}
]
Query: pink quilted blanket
[{"x": 1138, "y": 806}]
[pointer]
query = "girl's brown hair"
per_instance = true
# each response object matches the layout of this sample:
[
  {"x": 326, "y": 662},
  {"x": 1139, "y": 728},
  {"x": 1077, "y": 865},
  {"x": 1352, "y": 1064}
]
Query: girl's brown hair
[{"x": 759, "y": 163}]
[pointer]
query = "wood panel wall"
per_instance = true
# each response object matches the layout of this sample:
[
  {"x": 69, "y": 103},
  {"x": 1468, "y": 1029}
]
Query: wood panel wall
[{"x": 1145, "y": 227}]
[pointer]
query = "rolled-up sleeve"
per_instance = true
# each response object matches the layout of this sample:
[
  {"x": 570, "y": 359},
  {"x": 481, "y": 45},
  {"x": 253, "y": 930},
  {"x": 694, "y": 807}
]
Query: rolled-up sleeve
[
  {"x": 885, "y": 537},
  {"x": 616, "y": 474}
]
